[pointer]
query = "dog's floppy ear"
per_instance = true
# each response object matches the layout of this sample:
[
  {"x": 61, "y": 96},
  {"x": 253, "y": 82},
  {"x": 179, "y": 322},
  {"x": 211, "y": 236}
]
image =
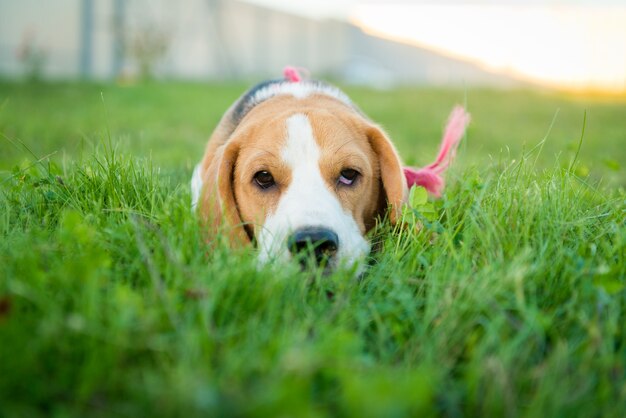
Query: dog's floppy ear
[
  {"x": 218, "y": 207},
  {"x": 394, "y": 190}
]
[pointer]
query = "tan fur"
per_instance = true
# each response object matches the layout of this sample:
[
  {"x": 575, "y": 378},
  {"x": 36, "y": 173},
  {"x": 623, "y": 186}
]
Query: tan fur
[{"x": 346, "y": 140}]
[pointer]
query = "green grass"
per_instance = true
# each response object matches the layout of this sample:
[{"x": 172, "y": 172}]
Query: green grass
[{"x": 512, "y": 303}]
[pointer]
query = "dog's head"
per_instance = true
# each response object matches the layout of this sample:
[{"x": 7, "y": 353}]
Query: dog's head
[{"x": 304, "y": 173}]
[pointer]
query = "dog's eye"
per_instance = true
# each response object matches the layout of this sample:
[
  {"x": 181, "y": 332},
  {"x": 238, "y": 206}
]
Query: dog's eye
[
  {"x": 264, "y": 179},
  {"x": 348, "y": 176}
]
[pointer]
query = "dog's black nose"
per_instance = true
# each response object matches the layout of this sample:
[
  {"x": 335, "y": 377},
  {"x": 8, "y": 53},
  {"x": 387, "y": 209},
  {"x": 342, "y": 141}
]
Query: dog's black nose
[{"x": 320, "y": 242}]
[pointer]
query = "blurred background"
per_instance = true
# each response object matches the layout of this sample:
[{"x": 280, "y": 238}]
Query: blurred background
[{"x": 575, "y": 45}]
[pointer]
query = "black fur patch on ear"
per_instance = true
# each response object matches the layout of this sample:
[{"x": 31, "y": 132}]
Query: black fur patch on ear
[
  {"x": 247, "y": 102},
  {"x": 251, "y": 98}
]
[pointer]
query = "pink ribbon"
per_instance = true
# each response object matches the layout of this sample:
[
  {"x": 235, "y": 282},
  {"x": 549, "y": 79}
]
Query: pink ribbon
[
  {"x": 292, "y": 74},
  {"x": 430, "y": 177}
]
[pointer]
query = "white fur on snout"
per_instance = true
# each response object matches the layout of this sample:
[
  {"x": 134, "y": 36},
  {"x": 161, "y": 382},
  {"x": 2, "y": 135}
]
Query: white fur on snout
[
  {"x": 196, "y": 187},
  {"x": 308, "y": 202}
]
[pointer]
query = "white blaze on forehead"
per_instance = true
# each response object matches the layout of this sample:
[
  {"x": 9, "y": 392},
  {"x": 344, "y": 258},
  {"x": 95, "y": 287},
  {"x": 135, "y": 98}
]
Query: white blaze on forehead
[
  {"x": 308, "y": 201},
  {"x": 301, "y": 147}
]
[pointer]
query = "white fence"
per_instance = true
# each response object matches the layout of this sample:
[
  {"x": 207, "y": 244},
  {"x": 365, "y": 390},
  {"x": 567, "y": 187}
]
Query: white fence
[{"x": 204, "y": 39}]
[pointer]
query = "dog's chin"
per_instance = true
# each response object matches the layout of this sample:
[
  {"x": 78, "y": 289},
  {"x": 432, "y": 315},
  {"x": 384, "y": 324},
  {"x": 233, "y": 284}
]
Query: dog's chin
[
  {"x": 355, "y": 265},
  {"x": 308, "y": 265}
]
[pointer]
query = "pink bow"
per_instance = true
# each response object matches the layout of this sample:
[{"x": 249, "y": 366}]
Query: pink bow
[
  {"x": 430, "y": 177},
  {"x": 292, "y": 74}
]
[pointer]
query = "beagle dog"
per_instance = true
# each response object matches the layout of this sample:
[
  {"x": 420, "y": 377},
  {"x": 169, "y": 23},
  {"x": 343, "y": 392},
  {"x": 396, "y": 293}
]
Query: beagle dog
[{"x": 295, "y": 167}]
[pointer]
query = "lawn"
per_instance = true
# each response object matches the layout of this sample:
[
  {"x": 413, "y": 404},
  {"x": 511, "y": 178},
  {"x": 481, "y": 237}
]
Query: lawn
[{"x": 510, "y": 303}]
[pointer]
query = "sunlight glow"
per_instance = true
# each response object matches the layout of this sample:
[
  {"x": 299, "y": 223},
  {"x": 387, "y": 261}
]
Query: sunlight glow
[{"x": 572, "y": 47}]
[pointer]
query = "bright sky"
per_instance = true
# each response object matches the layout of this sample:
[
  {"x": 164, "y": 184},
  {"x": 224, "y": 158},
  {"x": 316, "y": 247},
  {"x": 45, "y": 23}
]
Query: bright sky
[{"x": 572, "y": 44}]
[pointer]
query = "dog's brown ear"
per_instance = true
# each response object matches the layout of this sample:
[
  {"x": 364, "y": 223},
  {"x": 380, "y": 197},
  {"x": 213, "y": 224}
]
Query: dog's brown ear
[
  {"x": 218, "y": 206},
  {"x": 394, "y": 190}
]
